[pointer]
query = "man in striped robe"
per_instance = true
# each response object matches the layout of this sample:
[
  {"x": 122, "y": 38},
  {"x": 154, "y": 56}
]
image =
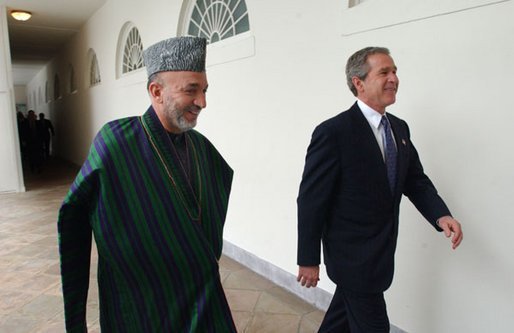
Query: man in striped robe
[{"x": 154, "y": 193}]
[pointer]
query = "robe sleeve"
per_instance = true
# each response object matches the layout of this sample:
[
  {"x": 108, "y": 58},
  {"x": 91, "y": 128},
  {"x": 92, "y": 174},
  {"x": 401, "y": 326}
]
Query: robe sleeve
[{"x": 75, "y": 236}]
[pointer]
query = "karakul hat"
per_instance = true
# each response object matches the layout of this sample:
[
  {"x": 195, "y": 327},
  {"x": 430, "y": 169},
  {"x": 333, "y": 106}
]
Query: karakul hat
[{"x": 176, "y": 54}]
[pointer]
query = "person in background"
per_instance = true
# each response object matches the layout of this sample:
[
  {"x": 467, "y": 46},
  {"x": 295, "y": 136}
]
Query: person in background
[
  {"x": 33, "y": 143},
  {"x": 22, "y": 134},
  {"x": 154, "y": 193},
  {"x": 359, "y": 164},
  {"x": 45, "y": 129}
]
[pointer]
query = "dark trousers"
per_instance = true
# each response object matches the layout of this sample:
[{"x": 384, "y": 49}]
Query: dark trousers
[
  {"x": 46, "y": 147},
  {"x": 356, "y": 313}
]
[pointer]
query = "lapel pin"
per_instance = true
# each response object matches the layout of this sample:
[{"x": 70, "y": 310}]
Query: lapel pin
[{"x": 404, "y": 143}]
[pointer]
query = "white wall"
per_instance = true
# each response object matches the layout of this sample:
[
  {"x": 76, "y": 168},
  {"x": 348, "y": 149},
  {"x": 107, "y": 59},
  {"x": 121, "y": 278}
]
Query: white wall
[
  {"x": 11, "y": 177},
  {"x": 20, "y": 94},
  {"x": 455, "y": 67}
]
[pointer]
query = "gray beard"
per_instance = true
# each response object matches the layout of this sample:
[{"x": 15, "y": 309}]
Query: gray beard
[
  {"x": 176, "y": 117},
  {"x": 182, "y": 123}
]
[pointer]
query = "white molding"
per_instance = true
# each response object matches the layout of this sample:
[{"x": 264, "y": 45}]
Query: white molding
[
  {"x": 234, "y": 48},
  {"x": 315, "y": 296}
]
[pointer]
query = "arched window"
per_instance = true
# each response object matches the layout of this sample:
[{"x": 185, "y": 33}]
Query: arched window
[
  {"x": 47, "y": 93},
  {"x": 219, "y": 21},
  {"x": 57, "y": 87},
  {"x": 130, "y": 50},
  {"x": 93, "y": 70},
  {"x": 72, "y": 84}
]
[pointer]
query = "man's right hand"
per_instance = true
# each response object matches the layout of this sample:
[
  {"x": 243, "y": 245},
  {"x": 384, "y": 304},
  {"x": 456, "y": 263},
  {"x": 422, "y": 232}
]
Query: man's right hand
[{"x": 308, "y": 276}]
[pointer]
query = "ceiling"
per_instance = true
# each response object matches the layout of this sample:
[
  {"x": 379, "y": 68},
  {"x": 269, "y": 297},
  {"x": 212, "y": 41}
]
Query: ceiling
[{"x": 34, "y": 42}]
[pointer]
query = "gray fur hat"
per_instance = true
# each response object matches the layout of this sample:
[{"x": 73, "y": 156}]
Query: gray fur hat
[{"x": 176, "y": 54}]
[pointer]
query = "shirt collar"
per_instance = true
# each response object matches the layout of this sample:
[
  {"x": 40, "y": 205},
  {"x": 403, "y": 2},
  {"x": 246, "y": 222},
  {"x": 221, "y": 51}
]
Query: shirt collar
[{"x": 372, "y": 116}]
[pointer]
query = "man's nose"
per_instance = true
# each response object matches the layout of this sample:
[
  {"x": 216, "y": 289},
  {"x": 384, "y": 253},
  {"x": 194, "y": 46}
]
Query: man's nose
[
  {"x": 393, "y": 78},
  {"x": 201, "y": 100}
]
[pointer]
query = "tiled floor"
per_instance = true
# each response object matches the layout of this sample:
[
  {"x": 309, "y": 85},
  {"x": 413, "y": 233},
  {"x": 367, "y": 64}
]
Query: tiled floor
[{"x": 30, "y": 295}]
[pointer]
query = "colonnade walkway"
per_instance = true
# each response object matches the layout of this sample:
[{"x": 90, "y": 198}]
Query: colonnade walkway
[{"x": 30, "y": 290}]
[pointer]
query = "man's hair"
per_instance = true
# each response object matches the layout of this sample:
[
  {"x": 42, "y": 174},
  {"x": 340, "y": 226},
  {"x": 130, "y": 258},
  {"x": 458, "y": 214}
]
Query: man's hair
[{"x": 357, "y": 65}]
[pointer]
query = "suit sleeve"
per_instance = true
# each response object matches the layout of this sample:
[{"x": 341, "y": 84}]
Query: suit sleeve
[
  {"x": 421, "y": 191},
  {"x": 75, "y": 236},
  {"x": 316, "y": 194}
]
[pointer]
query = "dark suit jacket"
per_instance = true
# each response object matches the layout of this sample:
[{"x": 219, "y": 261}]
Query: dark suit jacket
[{"x": 345, "y": 201}]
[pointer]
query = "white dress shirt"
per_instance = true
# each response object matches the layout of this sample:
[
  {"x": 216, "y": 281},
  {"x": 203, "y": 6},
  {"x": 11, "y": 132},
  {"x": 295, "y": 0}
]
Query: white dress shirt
[{"x": 374, "y": 117}]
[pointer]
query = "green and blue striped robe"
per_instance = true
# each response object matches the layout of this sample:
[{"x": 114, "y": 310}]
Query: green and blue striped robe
[{"x": 158, "y": 238}]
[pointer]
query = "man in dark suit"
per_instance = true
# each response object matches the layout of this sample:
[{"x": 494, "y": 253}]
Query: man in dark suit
[
  {"x": 45, "y": 128},
  {"x": 358, "y": 165}
]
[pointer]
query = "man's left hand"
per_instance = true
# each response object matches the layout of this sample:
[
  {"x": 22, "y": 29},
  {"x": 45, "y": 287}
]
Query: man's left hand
[{"x": 451, "y": 226}]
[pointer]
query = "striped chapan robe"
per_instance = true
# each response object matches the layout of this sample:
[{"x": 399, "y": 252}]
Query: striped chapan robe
[{"x": 158, "y": 236}]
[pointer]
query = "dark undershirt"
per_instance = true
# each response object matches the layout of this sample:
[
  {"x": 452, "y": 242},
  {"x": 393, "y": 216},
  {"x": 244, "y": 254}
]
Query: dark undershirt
[{"x": 179, "y": 142}]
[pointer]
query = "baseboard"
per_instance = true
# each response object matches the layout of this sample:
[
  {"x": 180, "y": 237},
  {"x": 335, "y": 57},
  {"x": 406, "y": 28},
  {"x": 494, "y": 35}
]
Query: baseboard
[{"x": 315, "y": 296}]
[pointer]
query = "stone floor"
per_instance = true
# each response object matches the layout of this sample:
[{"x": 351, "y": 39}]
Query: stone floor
[{"x": 30, "y": 294}]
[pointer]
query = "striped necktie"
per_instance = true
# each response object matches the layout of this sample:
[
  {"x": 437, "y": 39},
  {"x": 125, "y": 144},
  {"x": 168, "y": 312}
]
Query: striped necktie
[{"x": 389, "y": 152}]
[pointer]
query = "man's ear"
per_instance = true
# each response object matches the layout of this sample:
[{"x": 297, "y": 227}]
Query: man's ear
[
  {"x": 357, "y": 83},
  {"x": 155, "y": 91}
]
